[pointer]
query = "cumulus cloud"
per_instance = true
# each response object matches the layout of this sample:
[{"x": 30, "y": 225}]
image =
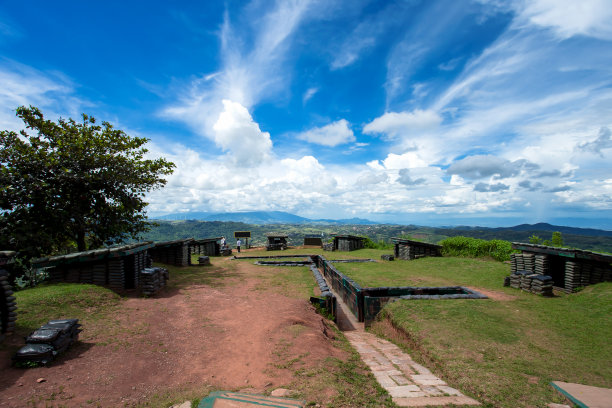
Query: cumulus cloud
[
  {"x": 236, "y": 132},
  {"x": 396, "y": 124},
  {"x": 531, "y": 186},
  {"x": 407, "y": 160},
  {"x": 367, "y": 178},
  {"x": 405, "y": 179},
  {"x": 331, "y": 135},
  {"x": 559, "y": 189},
  {"x": 491, "y": 188},
  {"x": 603, "y": 141},
  {"x": 549, "y": 173},
  {"x": 481, "y": 166}
]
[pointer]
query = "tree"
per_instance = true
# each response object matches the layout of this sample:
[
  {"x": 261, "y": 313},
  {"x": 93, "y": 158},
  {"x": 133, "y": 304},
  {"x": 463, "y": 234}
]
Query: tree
[
  {"x": 70, "y": 183},
  {"x": 534, "y": 239},
  {"x": 557, "y": 239}
]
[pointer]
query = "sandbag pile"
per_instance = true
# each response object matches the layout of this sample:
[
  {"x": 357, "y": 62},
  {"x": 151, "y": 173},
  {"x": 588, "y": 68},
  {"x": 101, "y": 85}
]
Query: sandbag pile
[
  {"x": 542, "y": 285},
  {"x": 516, "y": 279},
  {"x": 542, "y": 264},
  {"x": 530, "y": 282},
  {"x": 573, "y": 272},
  {"x": 526, "y": 282},
  {"x": 8, "y": 307},
  {"x": 513, "y": 261},
  {"x": 529, "y": 262},
  {"x": 51, "y": 339},
  {"x": 152, "y": 280}
]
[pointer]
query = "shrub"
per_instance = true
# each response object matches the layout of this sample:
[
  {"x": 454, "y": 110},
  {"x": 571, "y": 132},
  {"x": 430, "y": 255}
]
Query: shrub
[
  {"x": 497, "y": 249},
  {"x": 368, "y": 243}
]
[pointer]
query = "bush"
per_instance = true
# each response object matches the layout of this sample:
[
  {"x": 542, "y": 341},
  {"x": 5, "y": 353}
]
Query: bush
[
  {"x": 368, "y": 243},
  {"x": 476, "y": 248}
]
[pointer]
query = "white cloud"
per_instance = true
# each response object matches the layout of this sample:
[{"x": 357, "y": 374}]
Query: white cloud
[
  {"x": 331, "y": 135},
  {"x": 253, "y": 64},
  {"x": 568, "y": 18},
  {"x": 23, "y": 85},
  {"x": 310, "y": 92},
  {"x": 603, "y": 141},
  {"x": 397, "y": 124},
  {"x": 236, "y": 132},
  {"x": 480, "y": 166},
  {"x": 407, "y": 160},
  {"x": 368, "y": 178}
]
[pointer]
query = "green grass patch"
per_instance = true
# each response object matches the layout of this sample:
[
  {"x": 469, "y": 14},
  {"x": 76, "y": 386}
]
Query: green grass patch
[
  {"x": 291, "y": 281},
  {"x": 211, "y": 275},
  {"x": 502, "y": 352},
  {"x": 38, "y": 305},
  {"x": 433, "y": 271}
]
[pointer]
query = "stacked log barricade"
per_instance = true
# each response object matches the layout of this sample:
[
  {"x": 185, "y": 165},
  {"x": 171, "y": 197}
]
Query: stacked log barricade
[
  {"x": 409, "y": 249},
  {"x": 206, "y": 246},
  {"x": 348, "y": 243},
  {"x": 8, "y": 306},
  {"x": 276, "y": 242},
  {"x": 119, "y": 268},
  {"x": 565, "y": 269},
  {"x": 175, "y": 252},
  {"x": 313, "y": 240}
]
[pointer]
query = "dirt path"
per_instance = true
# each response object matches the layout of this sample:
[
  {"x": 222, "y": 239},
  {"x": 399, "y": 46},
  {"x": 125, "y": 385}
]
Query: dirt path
[{"x": 229, "y": 337}]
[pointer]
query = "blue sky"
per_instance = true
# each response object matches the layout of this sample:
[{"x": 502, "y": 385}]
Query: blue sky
[{"x": 419, "y": 112}]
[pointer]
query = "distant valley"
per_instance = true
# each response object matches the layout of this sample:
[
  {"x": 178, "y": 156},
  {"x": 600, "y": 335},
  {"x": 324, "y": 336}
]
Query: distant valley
[{"x": 208, "y": 225}]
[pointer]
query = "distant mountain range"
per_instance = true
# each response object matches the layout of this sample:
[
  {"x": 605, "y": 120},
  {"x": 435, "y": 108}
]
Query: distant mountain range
[
  {"x": 259, "y": 217},
  {"x": 539, "y": 227},
  {"x": 280, "y": 217}
]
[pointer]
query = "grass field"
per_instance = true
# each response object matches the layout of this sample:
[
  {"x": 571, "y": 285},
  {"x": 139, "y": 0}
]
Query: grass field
[{"x": 503, "y": 351}]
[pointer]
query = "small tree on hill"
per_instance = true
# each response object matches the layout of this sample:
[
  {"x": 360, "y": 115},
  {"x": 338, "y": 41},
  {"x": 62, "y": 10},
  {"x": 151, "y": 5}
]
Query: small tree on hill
[
  {"x": 534, "y": 239},
  {"x": 557, "y": 239},
  {"x": 69, "y": 183}
]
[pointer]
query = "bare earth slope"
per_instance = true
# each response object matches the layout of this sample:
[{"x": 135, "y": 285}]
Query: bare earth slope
[{"x": 196, "y": 338}]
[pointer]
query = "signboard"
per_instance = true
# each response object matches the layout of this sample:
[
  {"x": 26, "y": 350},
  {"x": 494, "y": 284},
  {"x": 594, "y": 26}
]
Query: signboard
[{"x": 242, "y": 234}]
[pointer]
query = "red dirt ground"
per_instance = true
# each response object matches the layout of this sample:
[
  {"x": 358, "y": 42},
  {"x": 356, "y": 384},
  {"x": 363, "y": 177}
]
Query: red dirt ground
[{"x": 200, "y": 337}]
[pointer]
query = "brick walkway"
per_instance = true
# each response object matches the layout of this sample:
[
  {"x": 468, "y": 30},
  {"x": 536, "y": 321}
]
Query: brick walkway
[{"x": 409, "y": 384}]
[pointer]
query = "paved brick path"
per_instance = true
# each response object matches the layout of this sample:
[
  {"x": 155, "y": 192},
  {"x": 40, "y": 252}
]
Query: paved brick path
[{"x": 410, "y": 384}]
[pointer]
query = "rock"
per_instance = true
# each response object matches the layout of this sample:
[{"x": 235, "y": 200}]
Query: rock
[
  {"x": 204, "y": 260},
  {"x": 553, "y": 405},
  {"x": 41, "y": 380},
  {"x": 281, "y": 392}
]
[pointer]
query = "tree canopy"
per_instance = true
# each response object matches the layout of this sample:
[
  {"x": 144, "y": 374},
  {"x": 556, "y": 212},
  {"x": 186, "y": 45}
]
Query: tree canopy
[{"x": 68, "y": 183}]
